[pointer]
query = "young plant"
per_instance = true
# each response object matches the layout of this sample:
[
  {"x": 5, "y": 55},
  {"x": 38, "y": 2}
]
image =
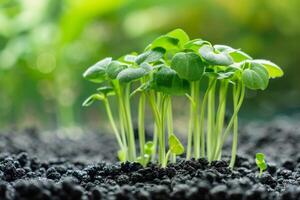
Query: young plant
[
  {"x": 175, "y": 65},
  {"x": 175, "y": 148},
  {"x": 261, "y": 163}
]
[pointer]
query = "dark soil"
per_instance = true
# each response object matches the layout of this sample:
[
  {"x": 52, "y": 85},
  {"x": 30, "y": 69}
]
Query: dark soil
[{"x": 36, "y": 165}]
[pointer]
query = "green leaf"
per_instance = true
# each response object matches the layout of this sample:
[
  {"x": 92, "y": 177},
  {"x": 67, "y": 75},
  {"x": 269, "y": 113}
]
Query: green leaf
[
  {"x": 188, "y": 66},
  {"x": 236, "y": 54},
  {"x": 166, "y": 80},
  {"x": 263, "y": 166},
  {"x": 91, "y": 99},
  {"x": 114, "y": 68},
  {"x": 175, "y": 145},
  {"x": 131, "y": 74},
  {"x": 129, "y": 58},
  {"x": 215, "y": 58},
  {"x": 97, "y": 72},
  {"x": 106, "y": 90},
  {"x": 196, "y": 44},
  {"x": 146, "y": 66},
  {"x": 260, "y": 161},
  {"x": 172, "y": 41},
  {"x": 255, "y": 77},
  {"x": 260, "y": 157},
  {"x": 225, "y": 75},
  {"x": 122, "y": 155},
  {"x": 180, "y": 35},
  {"x": 150, "y": 56},
  {"x": 149, "y": 148},
  {"x": 274, "y": 70},
  {"x": 166, "y": 42}
]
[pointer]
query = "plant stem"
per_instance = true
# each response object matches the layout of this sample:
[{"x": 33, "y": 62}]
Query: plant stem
[
  {"x": 167, "y": 158},
  {"x": 126, "y": 119},
  {"x": 236, "y": 90},
  {"x": 141, "y": 124},
  {"x": 113, "y": 124},
  {"x": 191, "y": 127},
  {"x": 220, "y": 114},
  {"x": 202, "y": 119},
  {"x": 129, "y": 121},
  {"x": 170, "y": 124},
  {"x": 156, "y": 115},
  {"x": 122, "y": 128},
  {"x": 211, "y": 121},
  {"x": 123, "y": 119},
  {"x": 228, "y": 128},
  {"x": 155, "y": 138},
  {"x": 161, "y": 136},
  {"x": 196, "y": 87}
]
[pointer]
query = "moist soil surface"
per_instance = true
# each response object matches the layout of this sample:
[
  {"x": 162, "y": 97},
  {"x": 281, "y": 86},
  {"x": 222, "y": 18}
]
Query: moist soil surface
[{"x": 46, "y": 165}]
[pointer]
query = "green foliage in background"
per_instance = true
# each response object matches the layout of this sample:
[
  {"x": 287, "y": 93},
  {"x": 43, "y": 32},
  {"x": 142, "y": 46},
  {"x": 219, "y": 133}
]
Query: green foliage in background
[{"x": 44, "y": 46}]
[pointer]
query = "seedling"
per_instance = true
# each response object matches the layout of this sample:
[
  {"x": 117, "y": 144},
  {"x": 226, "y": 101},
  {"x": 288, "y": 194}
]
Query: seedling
[
  {"x": 175, "y": 148},
  {"x": 172, "y": 65},
  {"x": 261, "y": 163}
]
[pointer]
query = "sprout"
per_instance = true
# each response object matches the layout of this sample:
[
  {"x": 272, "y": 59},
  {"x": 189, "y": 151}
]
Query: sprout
[
  {"x": 175, "y": 148},
  {"x": 261, "y": 163},
  {"x": 174, "y": 65},
  {"x": 97, "y": 72}
]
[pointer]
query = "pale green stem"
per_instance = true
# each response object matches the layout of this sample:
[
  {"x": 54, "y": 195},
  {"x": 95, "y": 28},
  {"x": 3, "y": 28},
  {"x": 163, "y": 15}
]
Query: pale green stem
[
  {"x": 123, "y": 120},
  {"x": 220, "y": 114},
  {"x": 155, "y": 138},
  {"x": 156, "y": 116},
  {"x": 113, "y": 124},
  {"x": 196, "y": 100},
  {"x": 123, "y": 134},
  {"x": 164, "y": 164},
  {"x": 129, "y": 120},
  {"x": 170, "y": 124},
  {"x": 161, "y": 136},
  {"x": 202, "y": 119},
  {"x": 211, "y": 122},
  {"x": 236, "y": 94},
  {"x": 125, "y": 115},
  {"x": 191, "y": 127},
  {"x": 141, "y": 124},
  {"x": 229, "y": 126}
]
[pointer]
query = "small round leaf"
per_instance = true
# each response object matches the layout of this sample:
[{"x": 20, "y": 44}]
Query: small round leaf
[
  {"x": 97, "y": 72},
  {"x": 149, "y": 148},
  {"x": 274, "y": 70},
  {"x": 188, "y": 66},
  {"x": 166, "y": 42},
  {"x": 150, "y": 56},
  {"x": 236, "y": 54},
  {"x": 166, "y": 80},
  {"x": 196, "y": 44},
  {"x": 175, "y": 145},
  {"x": 255, "y": 77},
  {"x": 179, "y": 34},
  {"x": 122, "y": 155},
  {"x": 215, "y": 58},
  {"x": 131, "y": 74},
  {"x": 260, "y": 156},
  {"x": 114, "y": 68}
]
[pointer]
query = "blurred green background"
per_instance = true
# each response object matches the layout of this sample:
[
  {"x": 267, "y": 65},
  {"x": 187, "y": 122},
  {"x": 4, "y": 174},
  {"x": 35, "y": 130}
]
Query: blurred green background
[{"x": 45, "y": 45}]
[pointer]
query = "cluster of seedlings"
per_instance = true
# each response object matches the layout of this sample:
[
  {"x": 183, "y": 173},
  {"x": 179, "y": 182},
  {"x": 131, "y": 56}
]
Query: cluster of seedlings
[{"x": 212, "y": 77}]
